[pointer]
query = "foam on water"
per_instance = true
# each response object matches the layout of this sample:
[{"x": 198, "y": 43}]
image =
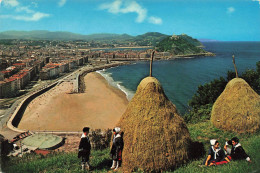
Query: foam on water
[
  {"x": 117, "y": 84},
  {"x": 181, "y": 77}
]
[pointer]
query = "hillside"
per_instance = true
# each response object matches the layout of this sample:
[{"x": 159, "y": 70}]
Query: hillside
[
  {"x": 107, "y": 36},
  {"x": 177, "y": 44},
  {"x": 180, "y": 45},
  {"x": 39, "y": 35},
  {"x": 58, "y": 35},
  {"x": 100, "y": 160},
  {"x": 149, "y": 38}
]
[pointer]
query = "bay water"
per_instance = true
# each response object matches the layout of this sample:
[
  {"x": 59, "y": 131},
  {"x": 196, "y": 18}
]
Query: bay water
[{"x": 180, "y": 78}]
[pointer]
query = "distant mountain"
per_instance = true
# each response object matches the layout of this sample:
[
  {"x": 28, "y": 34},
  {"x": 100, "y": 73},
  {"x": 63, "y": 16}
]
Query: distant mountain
[
  {"x": 149, "y": 38},
  {"x": 151, "y": 35},
  {"x": 107, "y": 36},
  {"x": 180, "y": 45},
  {"x": 191, "y": 40},
  {"x": 58, "y": 35},
  {"x": 207, "y": 40},
  {"x": 39, "y": 35}
]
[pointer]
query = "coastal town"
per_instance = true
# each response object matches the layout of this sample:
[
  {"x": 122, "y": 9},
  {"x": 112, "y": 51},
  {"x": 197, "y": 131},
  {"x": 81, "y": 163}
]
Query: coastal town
[
  {"x": 129, "y": 86},
  {"x": 49, "y": 90},
  {"x": 24, "y": 61}
]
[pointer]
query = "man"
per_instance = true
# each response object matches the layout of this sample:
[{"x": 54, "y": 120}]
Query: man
[
  {"x": 84, "y": 149},
  {"x": 237, "y": 152}
]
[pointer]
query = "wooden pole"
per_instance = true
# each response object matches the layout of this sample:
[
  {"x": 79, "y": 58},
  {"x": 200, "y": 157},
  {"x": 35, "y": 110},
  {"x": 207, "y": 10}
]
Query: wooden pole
[
  {"x": 235, "y": 65},
  {"x": 151, "y": 64}
]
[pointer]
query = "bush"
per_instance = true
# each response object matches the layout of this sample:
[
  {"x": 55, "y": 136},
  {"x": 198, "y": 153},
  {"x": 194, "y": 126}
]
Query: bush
[
  {"x": 253, "y": 79},
  {"x": 206, "y": 95},
  {"x": 197, "y": 115},
  {"x": 100, "y": 139}
]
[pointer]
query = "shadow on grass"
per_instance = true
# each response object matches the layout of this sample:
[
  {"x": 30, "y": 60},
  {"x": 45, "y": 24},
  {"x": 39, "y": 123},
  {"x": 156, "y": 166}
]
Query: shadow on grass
[
  {"x": 196, "y": 150},
  {"x": 105, "y": 164}
]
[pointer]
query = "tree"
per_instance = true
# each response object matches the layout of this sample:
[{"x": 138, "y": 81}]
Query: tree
[
  {"x": 252, "y": 78},
  {"x": 206, "y": 95}
]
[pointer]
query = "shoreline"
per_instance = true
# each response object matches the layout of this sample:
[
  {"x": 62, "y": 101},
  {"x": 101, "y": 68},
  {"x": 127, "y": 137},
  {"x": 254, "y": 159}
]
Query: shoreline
[
  {"x": 115, "y": 84},
  {"x": 7, "y": 125},
  {"x": 197, "y": 54},
  {"x": 135, "y": 47},
  {"x": 95, "y": 68},
  {"x": 60, "y": 107}
]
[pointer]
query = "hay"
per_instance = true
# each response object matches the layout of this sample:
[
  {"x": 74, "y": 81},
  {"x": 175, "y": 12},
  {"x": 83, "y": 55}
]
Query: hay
[
  {"x": 237, "y": 109},
  {"x": 155, "y": 136}
]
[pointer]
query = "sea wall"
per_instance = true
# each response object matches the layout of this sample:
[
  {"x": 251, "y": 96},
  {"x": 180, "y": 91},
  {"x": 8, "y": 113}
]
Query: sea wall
[
  {"x": 16, "y": 117},
  {"x": 18, "y": 113}
]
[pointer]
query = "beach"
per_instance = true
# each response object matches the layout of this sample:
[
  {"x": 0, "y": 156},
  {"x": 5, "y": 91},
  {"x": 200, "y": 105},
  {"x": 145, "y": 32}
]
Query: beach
[{"x": 99, "y": 107}]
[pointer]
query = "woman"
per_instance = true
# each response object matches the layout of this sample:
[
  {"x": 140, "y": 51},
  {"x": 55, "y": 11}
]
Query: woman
[
  {"x": 215, "y": 154},
  {"x": 117, "y": 147}
]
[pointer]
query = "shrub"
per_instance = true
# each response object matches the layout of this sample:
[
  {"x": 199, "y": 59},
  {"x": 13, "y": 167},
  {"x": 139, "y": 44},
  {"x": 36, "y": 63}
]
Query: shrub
[{"x": 206, "y": 95}]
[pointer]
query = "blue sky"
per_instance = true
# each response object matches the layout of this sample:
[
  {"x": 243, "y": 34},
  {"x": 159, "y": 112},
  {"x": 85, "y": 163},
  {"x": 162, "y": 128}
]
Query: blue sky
[{"x": 226, "y": 20}]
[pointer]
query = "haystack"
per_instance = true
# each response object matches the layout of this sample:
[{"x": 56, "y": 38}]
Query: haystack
[
  {"x": 155, "y": 136},
  {"x": 237, "y": 109}
]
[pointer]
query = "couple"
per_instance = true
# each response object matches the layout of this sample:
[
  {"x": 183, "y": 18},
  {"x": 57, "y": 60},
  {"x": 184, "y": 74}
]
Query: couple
[
  {"x": 116, "y": 151},
  {"x": 216, "y": 156}
]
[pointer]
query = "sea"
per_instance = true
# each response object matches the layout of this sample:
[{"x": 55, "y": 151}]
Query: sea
[{"x": 180, "y": 78}]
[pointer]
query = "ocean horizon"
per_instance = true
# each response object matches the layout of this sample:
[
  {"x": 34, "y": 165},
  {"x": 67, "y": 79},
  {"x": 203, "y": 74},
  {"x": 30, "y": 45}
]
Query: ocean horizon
[{"x": 181, "y": 77}]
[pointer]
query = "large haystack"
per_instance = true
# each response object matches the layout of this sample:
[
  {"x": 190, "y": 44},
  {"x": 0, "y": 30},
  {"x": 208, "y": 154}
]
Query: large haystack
[
  {"x": 155, "y": 136},
  {"x": 237, "y": 109}
]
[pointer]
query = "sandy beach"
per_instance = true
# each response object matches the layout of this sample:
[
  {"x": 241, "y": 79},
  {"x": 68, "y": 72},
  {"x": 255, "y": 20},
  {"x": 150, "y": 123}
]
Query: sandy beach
[{"x": 100, "y": 106}]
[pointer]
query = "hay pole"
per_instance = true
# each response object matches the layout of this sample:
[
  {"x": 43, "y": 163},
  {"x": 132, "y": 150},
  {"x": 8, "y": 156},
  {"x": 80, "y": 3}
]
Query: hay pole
[
  {"x": 151, "y": 63},
  {"x": 235, "y": 65}
]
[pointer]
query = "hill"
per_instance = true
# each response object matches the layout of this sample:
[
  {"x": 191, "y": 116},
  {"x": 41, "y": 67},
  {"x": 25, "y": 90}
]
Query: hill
[
  {"x": 39, "y": 35},
  {"x": 100, "y": 160},
  {"x": 180, "y": 45},
  {"x": 149, "y": 38},
  {"x": 107, "y": 36},
  {"x": 59, "y": 35}
]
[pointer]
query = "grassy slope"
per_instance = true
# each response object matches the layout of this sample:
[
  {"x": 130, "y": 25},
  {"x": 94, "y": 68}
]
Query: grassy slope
[
  {"x": 204, "y": 131},
  {"x": 100, "y": 160}
]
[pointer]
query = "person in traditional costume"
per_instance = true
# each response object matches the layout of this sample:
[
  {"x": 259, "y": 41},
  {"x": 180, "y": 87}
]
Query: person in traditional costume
[
  {"x": 216, "y": 155},
  {"x": 236, "y": 152},
  {"x": 84, "y": 149},
  {"x": 117, "y": 147}
]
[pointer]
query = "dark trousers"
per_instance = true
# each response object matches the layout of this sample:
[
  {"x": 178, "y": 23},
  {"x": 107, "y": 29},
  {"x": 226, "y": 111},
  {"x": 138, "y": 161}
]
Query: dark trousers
[{"x": 85, "y": 159}]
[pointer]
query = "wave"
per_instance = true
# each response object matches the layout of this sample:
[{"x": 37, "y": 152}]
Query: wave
[{"x": 117, "y": 84}]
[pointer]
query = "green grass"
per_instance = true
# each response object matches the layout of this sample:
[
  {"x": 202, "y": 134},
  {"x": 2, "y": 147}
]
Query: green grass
[
  {"x": 101, "y": 161},
  {"x": 58, "y": 162},
  {"x": 205, "y": 131}
]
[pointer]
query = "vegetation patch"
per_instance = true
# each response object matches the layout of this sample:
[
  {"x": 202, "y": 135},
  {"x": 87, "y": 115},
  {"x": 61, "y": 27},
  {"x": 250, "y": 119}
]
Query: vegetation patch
[
  {"x": 180, "y": 45},
  {"x": 201, "y": 103},
  {"x": 100, "y": 159}
]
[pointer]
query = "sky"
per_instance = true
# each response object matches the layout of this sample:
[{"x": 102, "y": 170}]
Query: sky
[{"x": 224, "y": 20}]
